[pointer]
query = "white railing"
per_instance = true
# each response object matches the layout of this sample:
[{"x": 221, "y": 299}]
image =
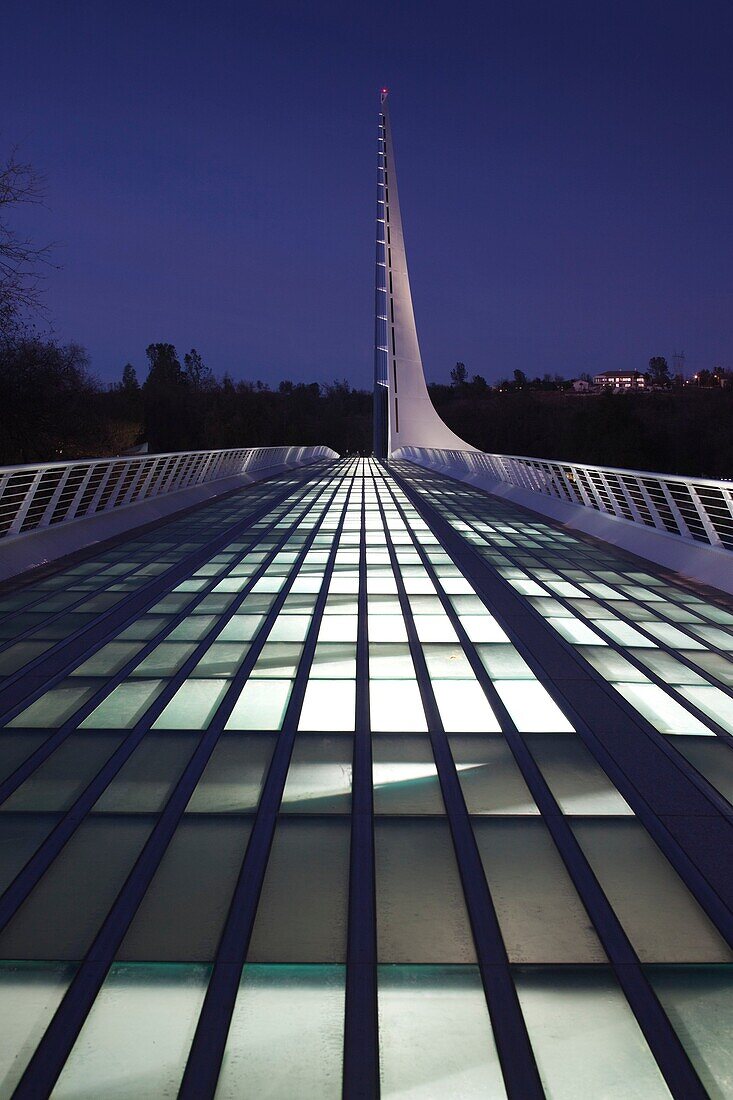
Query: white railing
[
  {"x": 692, "y": 508},
  {"x": 33, "y": 497}
]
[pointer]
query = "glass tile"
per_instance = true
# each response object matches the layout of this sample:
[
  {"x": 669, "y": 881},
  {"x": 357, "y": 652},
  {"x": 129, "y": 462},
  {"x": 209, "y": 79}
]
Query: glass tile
[
  {"x": 664, "y": 712},
  {"x": 297, "y": 1011},
  {"x": 240, "y": 628},
  {"x": 437, "y": 628},
  {"x": 137, "y": 1036},
  {"x": 221, "y": 659},
  {"x": 490, "y": 779},
  {"x": 319, "y": 776},
  {"x": 483, "y": 628},
  {"x": 193, "y": 706},
  {"x": 578, "y": 783},
  {"x": 387, "y": 628},
  {"x": 672, "y": 637},
  {"x": 165, "y": 660},
  {"x": 124, "y": 706},
  {"x": 261, "y": 705},
  {"x": 254, "y": 604},
  {"x": 699, "y": 1003},
  {"x": 531, "y": 707},
  {"x": 585, "y": 1037},
  {"x": 144, "y": 783},
  {"x": 289, "y": 628},
  {"x": 575, "y": 631},
  {"x": 666, "y": 667},
  {"x": 447, "y": 662},
  {"x": 174, "y": 922},
  {"x": 712, "y": 758},
  {"x": 541, "y": 916},
  {"x": 623, "y": 633},
  {"x": 714, "y": 636},
  {"x": 303, "y": 906},
  {"x": 54, "y": 707},
  {"x": 396, "y": 706},
  {"x": 714, "y": 664},
  {"x": 232, "y": 779},
  {"x": 435, "y": 1037},
  {"x": 20, "y": 836},
  {"x": 143, "y": 629},
  {"x": 404, "y": 776},
  {"x": 334, "y": 660},
  {"x": 17, "y": 656},
  {"x": 109, "y": 659},
  {"x": 30, "y": 993},
  {"x": 464, "y": 708},
  {"x": 58, "y": 781},
  {"x": 390, "y": 661},
  {"x": 328, "y": 705},
  {"x": 61, "y": 916},
  {"x": 711, "y": 701},
  {"x": 278, "y": 660},
  {"x": 503, "y": 662},
  {"x": 421, "y": 913},
  {"x": 612, "y": 666},
  {"x": 659, "y": 914}
]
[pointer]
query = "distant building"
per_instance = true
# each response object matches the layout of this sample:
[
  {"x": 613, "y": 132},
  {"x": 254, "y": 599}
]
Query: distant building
[
  {"x": 581, "y": 385},
  {"x": 620, "y": 379}
]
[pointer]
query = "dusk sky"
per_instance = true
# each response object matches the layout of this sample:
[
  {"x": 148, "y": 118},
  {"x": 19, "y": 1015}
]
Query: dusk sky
[{"x": 565, "y": 175}]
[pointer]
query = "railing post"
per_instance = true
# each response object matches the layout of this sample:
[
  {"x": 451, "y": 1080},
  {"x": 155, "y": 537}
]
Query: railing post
[{"x": 22, "y": 512}]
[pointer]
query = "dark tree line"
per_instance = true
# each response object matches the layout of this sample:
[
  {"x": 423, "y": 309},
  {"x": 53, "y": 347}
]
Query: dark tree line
[
  {"x": 685, "y": 431},
  {"x": 52, "y": 408}
]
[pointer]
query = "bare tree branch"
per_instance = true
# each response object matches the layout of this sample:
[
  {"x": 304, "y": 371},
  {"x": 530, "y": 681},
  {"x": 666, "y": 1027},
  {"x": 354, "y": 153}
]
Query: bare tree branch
[{"x": 20, "y": 259}]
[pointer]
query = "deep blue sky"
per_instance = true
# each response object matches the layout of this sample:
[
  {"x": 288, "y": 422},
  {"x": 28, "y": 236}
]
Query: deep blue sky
[{"x": 566, "y": 172}]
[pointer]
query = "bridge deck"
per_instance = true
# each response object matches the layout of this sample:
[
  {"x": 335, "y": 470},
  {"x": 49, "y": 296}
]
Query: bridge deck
[{"x": 360, "y": 776}]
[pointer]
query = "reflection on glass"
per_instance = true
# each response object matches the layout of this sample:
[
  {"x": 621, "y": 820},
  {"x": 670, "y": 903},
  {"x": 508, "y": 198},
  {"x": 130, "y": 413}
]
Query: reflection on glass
[
  {"x": 53, "y": 708},
  {"x": 261, "y": 705},
  {"x": 405, "y": 777},
  {"x": 541, "y": 916},
  {"x": 712, "y": 758},
  {"x": 464, "y": 708},
  {"x": 319, "y": 777},
  {"x": 302, "y": 911},
  {"x": 193, "y": 705},
  {"x": 490, "y": 779},
  {"x": 61, "y": 916},
  {"x": 136, "y": 1038},
  {"x": 124, "y": 705},
  {"x": 421, "y": 912},
  {"x": 584, "y": 1035},
  {"x": 578, "y": 783},
  {"x": 396, "y": 706},
  {"x": 286, "y": 1034},
  {"x": 659, "y": 708},
  {"x": 435, "y": 1036},
  {"x": 165, "y": 659},
  {"x": 328, "y": 705},
  {"x": 144, "y": 782},
  {"x": 174, "y": 922},
  {"x": 699, "y": 1003},
  {"x": 659, "y": 914},
  {"x": 531, "y": 707},
  {"x": 59, "y": 780},
  {"x": 30, "y": 993}
]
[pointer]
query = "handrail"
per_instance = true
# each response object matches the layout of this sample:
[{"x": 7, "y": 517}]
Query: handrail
[
  {"x": 693, "y": 508},
  {"x": 41, "y": 495}
]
